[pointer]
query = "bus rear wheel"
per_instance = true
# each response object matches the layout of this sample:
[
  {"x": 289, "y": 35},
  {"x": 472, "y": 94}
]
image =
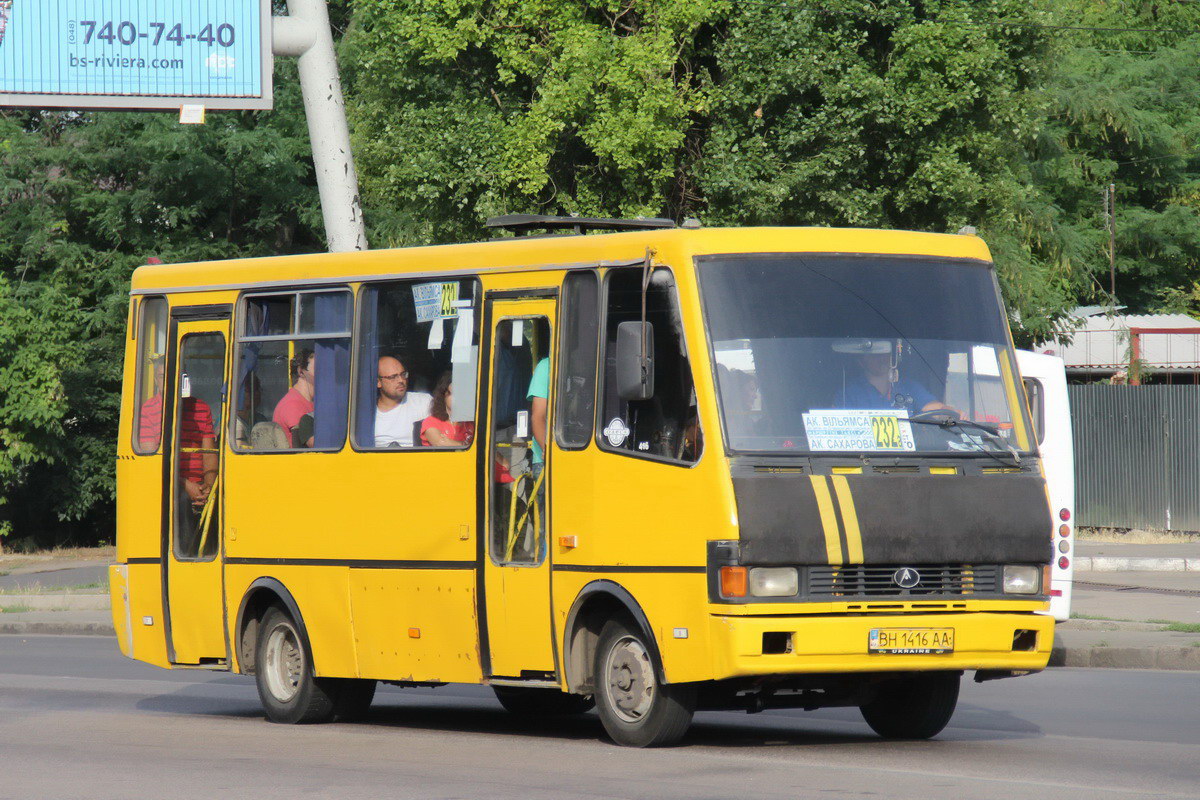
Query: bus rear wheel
[
  {"x": 289, "y": 692},
  {"x": 541, "y": 702},
  {"x": 636, "y": 709},
  {"x": 916, "y": 707}
]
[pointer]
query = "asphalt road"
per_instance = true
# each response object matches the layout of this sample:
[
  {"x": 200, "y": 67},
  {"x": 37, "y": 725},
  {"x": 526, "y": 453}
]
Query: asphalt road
[{"x": 78, "y": 720}]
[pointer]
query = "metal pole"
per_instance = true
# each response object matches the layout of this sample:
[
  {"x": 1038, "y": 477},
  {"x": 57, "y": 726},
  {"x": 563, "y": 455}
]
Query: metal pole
[
  {"x": 305, "y": 33},
  {"x": 1112, "y": 240}
]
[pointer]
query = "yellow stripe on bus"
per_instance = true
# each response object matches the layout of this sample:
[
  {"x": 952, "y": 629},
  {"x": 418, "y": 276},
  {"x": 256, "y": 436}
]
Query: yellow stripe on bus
[
  {"x": 833, "y": 545},
  {"x": 854, "y": 545}
]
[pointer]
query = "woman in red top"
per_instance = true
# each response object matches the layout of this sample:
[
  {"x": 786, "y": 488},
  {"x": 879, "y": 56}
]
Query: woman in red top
[{"x": 437, "y": 430}]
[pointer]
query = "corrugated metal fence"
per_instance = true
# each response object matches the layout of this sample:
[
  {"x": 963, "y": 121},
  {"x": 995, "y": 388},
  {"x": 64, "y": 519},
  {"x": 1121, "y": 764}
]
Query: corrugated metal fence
[{"x": 1137, "y": 456}]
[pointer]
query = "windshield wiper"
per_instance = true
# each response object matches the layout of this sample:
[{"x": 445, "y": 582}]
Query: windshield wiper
[{"x": 947, "y": 422}]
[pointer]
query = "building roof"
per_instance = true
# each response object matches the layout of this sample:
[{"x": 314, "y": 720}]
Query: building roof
[{"x": 1108, "y": 340}]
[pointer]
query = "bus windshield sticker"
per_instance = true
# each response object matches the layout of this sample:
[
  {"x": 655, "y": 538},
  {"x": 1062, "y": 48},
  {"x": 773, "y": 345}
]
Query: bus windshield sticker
[
  {"x": 435, "y": 301},
  {"x": 436, "y": 334},
  {"x": 460, "y": 345},
  {"x": 834, "y": 430},
  {"x": 616, "y": 432}
]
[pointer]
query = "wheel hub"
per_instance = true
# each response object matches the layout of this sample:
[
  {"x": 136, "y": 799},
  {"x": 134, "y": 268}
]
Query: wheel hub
[
  {"x": 630, "y": 678},
  {"x": 284, "y": 665}
]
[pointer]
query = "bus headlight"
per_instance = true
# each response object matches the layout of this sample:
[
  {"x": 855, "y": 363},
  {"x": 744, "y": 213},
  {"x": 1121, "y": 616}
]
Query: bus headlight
[
  {"x": 774, "y": 581},
  {"x": 1021, "y": 579}
]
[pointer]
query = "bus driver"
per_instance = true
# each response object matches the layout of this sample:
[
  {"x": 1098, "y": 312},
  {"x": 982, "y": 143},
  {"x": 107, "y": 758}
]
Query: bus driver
[{"x": 878, "y": 384}]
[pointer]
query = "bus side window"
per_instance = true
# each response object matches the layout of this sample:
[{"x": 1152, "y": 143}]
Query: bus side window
[
  {"x": 293, "y": 373},
  {"x": 666, "y": 425},
  {"x": 576, "y": 407},
  {"x": 151, "y": 367},
  {"x": 1037, "y": 407},
  {"x": 418, "y": 352}
]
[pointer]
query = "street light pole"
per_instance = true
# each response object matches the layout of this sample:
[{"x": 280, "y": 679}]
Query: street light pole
[{"x": 305, "y": 33}]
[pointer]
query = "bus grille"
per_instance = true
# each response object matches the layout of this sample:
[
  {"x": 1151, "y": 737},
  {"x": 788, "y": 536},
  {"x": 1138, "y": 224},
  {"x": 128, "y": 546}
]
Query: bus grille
[{"x": 944, "y": 580}]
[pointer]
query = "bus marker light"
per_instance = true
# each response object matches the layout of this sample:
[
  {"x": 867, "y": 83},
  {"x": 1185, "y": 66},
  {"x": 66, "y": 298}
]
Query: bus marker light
[
  {"x": 1056, "y": 592},
  {"x": 681, "y": 633},
  {"x": 733, "y": 581},
  {"x": 1064, "y": 562},
  {"x": 569, "y": 541},
  {"x": 1064, "y": 514},
  {"x": 414, "y": 633},
  {"x": 147, "y": 620}
]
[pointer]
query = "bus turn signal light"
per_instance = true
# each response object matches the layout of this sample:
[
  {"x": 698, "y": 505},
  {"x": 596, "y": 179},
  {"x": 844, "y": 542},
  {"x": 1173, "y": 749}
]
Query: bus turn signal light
[
  {"x": 733, "y": 581},
  {"x": 1064, "y": 531}
]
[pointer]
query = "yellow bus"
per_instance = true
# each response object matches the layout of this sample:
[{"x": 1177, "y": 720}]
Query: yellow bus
[{"x": 645, "y": 467}]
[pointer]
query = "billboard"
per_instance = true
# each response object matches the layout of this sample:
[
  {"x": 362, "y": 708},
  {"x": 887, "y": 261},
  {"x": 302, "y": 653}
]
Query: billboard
[{"x": 135, "y": 53}]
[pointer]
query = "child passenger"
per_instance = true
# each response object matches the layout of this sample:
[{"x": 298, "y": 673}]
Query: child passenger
[{"x": 437, "y": 430}]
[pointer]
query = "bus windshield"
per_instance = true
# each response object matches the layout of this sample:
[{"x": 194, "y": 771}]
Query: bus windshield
[{"x": 860, "y": 355}]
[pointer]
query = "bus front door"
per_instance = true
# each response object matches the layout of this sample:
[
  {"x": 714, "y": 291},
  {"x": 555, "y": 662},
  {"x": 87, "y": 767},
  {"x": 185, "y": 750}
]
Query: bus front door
[
  {"x": 193, "y": 492},
  {"x": 516, "y": 471}
]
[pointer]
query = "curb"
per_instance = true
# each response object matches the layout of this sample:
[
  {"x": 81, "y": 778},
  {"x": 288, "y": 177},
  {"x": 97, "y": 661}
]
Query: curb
[
  {"x": 1117, "y": 564},
  {"x": 60, "y": 628},
  {"x": 1162, "y": 657}
]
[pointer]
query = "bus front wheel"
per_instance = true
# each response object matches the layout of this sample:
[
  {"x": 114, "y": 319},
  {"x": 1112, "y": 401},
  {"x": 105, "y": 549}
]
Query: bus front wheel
[
  {"x": 637, "y": 710},
  {"x": 284, "y": 674},
  {"x": 916, "y": 707}
]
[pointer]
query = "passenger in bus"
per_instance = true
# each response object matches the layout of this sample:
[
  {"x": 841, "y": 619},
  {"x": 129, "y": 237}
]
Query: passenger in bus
[
  {"x": 437, "y": 430},
  {"x": 538, "y": 397},
  {"x": 397, "y": 410},
  {"x": 877, "y": 384},
  {"x": 151, "y": 411},
  {"x": 299, "y": 399},
  {"x": 197, "y": 470}
]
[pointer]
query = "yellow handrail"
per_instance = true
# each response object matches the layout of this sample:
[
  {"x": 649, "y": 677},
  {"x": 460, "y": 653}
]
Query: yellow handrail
[
  {"x": 513, "y": 525},
  {"x": 206, "y": 515}
]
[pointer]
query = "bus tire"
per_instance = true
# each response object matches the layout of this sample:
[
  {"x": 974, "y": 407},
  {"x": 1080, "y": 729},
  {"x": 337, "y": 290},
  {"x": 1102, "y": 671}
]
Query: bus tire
[
  {"x": 541, "y": 702},
  {"x": 636, "y": 709},
  {"x": 289, "y": 692},
  {"x": 916, "y": 707},
  {"x": 351, "y": 697}
]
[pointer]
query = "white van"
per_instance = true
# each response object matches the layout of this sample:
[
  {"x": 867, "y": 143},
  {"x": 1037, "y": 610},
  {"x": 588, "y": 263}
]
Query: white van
[{"x": 1045, "y": 380}]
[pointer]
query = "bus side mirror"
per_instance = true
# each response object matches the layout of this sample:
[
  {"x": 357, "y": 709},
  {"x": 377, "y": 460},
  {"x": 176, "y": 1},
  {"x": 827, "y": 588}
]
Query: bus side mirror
[{"x": 635, "y": 375}]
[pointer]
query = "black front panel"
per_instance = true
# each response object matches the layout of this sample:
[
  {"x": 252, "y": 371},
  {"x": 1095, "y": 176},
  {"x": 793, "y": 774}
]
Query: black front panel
[
  {"x": 779, "y": 519},
  {"x": 894, "y": 519}
]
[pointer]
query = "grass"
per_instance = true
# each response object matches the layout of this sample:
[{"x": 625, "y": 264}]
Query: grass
[
  {"x": 38, "y": 588},
  {"x": 12, "y": 559},
  {"x": 1184, "y": 627},
  {"x": 15, "y": 609},
  {"x": 1127, "y": 536}
]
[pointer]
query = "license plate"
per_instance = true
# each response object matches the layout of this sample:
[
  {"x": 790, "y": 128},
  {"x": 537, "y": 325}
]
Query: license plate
[{"x": 911, "y": 641}]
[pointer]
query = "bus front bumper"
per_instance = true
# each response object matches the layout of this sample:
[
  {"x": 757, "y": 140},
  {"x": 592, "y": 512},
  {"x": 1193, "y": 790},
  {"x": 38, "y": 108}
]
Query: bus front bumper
[{"x": 760, "y": 646}]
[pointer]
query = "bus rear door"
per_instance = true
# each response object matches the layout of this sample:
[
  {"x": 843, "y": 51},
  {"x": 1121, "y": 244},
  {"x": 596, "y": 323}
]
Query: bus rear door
[{"x": 192, "y": 487}]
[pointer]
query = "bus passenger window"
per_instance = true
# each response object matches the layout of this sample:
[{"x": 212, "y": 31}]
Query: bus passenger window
[
  {"x": 580, "y": 330},
  {"x": 151, "y": 367},
  {"x": 293, "y": 371},
  {"x": 666, "y": 425},
  {"x": 418, "y": 351}
]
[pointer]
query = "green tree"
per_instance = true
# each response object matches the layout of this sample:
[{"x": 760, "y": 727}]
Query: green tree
[
  {"x": 467, "y": 109},
  {"x": 1122, "y": 110}
]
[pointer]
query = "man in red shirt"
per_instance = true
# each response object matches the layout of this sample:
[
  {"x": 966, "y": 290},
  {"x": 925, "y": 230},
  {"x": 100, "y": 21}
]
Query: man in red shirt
[{"x": 197, "y": 470}]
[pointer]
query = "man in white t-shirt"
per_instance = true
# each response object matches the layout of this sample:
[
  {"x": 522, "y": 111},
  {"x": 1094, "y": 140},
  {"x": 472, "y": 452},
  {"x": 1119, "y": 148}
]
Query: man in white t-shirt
[{"x": 397, "y": 410}]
